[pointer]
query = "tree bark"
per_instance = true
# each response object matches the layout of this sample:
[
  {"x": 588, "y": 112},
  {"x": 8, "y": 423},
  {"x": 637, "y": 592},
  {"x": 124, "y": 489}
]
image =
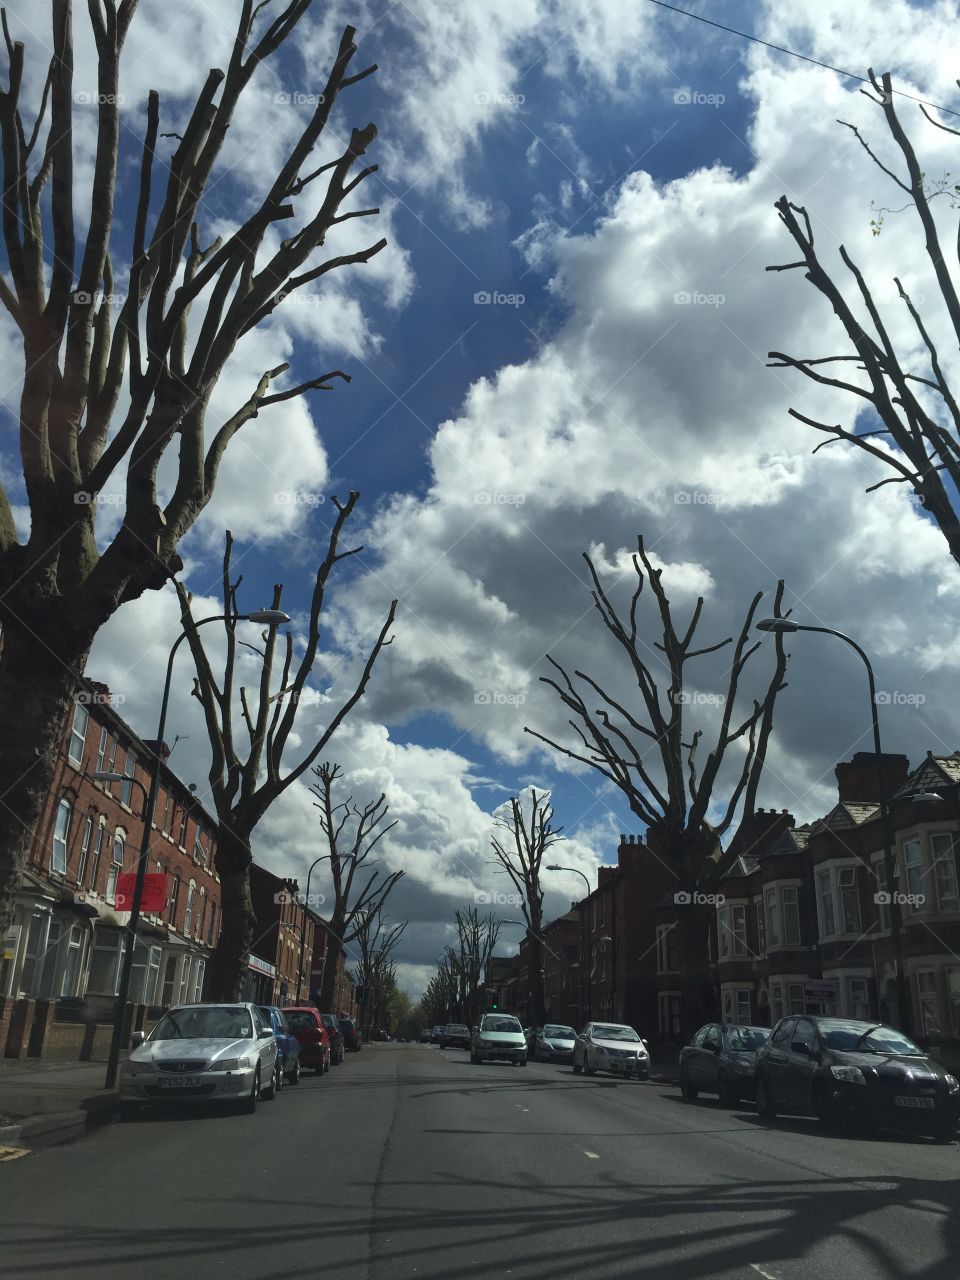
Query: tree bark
[
  {"x": 39, "y": 675},
  {"x": 228, "y": 964},
  {"x": 699, "y": 993},
  {"x": 535, "y": 980},
  {"x": 328, "y": 986}
]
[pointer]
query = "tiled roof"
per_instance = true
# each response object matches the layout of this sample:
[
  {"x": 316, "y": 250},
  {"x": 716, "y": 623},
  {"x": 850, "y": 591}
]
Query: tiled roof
[
  {"x": 791, "y": 840},
  {"x": 846, "y": 815},
  {"x": 934, "y": 771}
]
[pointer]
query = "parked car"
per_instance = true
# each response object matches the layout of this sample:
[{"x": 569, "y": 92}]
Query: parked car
[
  {"x": 351, "y": 1035},
  {"x": 611, "y": 1046},
  {"x": 202, "y": 1053},
  {"x": 335, "y": 1035},
  {"x": 721, "y": 1058},
  {"x": 553, "y": 1043},
  {"x": 436, "y": 1035},
  {"x": 842, "y": 1069},
  {"x": 456, "y": 1035},
  {"x": 530, "y": 1035},
  {"x": 426, "y": 1035},
  {"x": 499, "y": 1035},
  {"x": 288, "y": 1057},
  {"x": 307, "y": 1025}
]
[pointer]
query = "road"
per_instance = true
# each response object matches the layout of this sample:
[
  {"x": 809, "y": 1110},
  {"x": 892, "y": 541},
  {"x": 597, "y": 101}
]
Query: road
[{"x": 407, "y": 1162}]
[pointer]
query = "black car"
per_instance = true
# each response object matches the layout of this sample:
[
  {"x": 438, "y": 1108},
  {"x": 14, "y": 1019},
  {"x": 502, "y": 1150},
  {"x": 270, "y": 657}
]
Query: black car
[
  {"x": 721, "y": 1058},
  {"x": 842, "y": 1070},
  {"x": 336, "y": 1038},
  {"x": 351, "y": 1034},
  {"x": 456, "y": 1035}
]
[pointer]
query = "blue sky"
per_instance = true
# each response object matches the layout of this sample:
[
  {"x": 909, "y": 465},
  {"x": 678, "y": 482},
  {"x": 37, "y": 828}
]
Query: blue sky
[{"x": 603, "y": 162}]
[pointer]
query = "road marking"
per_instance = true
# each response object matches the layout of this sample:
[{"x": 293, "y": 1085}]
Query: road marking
[
  {"x": 591, "y": 1155},
  {"x": 766, "y": 1274},
  {"x": 12, "y": 1153}
]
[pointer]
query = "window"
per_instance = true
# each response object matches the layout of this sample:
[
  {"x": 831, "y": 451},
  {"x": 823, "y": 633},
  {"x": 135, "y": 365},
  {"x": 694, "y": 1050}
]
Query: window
[
  {"x": 743, "y": 1006},
  {"x": 84, "y": 848},
  {"x": 182, "y": 836},
  {"x": 736, "y": 1005},
  {"x": 105, "y": 962},
  {"x": 198, "y": 973},
  {"x": 111, "y": 891},
  {"x": 185, "y": 968},
  {"x": 828, "y": 922},
  {"x": 201, "y": 913},
  {"x": 858, "y": 1000},
  {"x": 97, "y": 849},
  {"x": 761, "y": 930},
  {"x": 667, "y": 961},
  {"x": 211, "y": 927},
  {"x": 668, "y": 1005},
  {"x": 188, "y": 909},
  {"x": 913, "y": 862},
  {"x": 953, "y": 996},
  {"x": 927, "y": 999},
  {"x": 944, "y": 862},
  {"x": 71, "y": 967},
  {"x": 174, "y": 901},
  {"x": 119, "y": 838},
  {"x": 114, "y": 747},
  {"x": 796, "y": 997},
  {"x": 791, "y": 915},
  {"x": 880, "y": 879},
  {"x": 773, "y": 918},
  {"x": 129, "y": 773},
  {"x": 732, "y": 931},
  {"x": 199, "y": 852},
  {"x": 169, "y": 981},
  {"x": 101, "y": 750},
  {"x": 167, "y": 813},
  {"x": 61, "y": 832},
  {"x": 144, "y": 973},
  {"x": 848, "y": 900},
  {"x": 78, "y": 733}
]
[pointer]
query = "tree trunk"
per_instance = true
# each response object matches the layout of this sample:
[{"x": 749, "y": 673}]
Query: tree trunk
[
  {"x": 328, "y": 987},
  {"x": 535, "y": 980},
  {"x": 699, "y": 992},
  {"x": 40, "y": 662},
  {"x": 228, "y": 964}
]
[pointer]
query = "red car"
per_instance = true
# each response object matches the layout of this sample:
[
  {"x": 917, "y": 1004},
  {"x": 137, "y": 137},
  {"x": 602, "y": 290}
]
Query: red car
[{"x": 307, "y": 1025}]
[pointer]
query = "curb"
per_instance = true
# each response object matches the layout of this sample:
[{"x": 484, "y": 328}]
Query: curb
[{"x": 53, "y": 1128}]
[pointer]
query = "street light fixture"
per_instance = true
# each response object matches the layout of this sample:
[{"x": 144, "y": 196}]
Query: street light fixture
[
  {"x": 555, "y": 866},
  {"x": 270, "y": 617},
  {"x": 584, "y": 975},
  {"x": 788, "y": 626}
]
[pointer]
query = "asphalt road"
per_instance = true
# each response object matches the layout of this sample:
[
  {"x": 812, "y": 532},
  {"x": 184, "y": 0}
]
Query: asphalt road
[{"x": 407, "y": 1162}]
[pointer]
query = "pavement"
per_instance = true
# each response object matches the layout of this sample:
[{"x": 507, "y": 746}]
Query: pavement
[
  {"x": 409, "y": 1163},
  {"x": 48, "y": 1102}
]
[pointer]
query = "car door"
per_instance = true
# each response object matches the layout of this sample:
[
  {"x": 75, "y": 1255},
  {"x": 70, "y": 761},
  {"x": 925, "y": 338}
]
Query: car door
[
  {"x": 580, "y": 1048},
  {"x": 691, "y": 1055},
  {"x": 709, "y": 1056},
  {"x": 801, "y": 1065},
  {"x": 775, "y": 1061},
  {"x": 266, "y": 1045}
]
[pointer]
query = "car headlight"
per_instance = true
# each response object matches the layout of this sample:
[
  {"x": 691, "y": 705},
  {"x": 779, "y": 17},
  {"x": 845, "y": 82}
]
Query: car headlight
[
  {"x": 642, "y": 1053},
  {"x": 231, "y": 1064},
  {"x": 852, "y": 1075},
  {"x": 952, "y": 1083},
  {"x": 138, "y": 1068}
]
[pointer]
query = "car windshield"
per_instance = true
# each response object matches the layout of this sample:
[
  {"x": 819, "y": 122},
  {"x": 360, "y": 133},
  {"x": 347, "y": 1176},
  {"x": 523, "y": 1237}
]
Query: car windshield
[
  {"x": 300, "y": 1020},
  {"x": 748, "y": 1038},
  {"x": 605, "y": 1032},
  {"x": 214, "y": 1022},
  {"x": 501, "y": 1024},
  {"x": 455, "y": 1028},
  {"x": 559, "y": 1033},
  {"x": 866, "y": 1037}
]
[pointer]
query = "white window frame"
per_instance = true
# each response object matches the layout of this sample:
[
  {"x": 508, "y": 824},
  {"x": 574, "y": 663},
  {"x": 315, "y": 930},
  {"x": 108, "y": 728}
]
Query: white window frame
[
  {"x": 776, "y": 924},
  {"x": 81, "y": 713},
  {"x": 129, "y": 773},
  {"x": 830, "y": 873},
  {"x": 61, "y": 836},
  {"x": 101, "y": 749},
  {"x": 188, "y": 909},
  {"x": 85, "y": 840},
  {"x": 732, "y": 931},
  {"x": 761, "y": 917},
  {"x": 943, "y": 866},
  {"x": 914, "y": 874},
  {"x": 737, "y": 1003},
  {"x": 72, "y": 955}
]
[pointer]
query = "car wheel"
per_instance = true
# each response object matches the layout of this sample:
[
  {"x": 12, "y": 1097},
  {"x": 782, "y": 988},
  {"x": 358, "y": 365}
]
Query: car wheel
[
  {"x": 249, "y": 1105},
  {"x": 687, "y": 1090},
  {"x": 765, "y": 1108},
  {"x": 727, "y": 1096},
  {"x": 295, "y": 1073},
  {"x": 577, "y": 1067},
  {"x": 270, "y": 1092}
]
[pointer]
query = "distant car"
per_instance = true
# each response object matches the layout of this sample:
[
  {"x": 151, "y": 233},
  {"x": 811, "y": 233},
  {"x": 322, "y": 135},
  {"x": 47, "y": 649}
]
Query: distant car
[
  {"x": 351, "y": 1035},
  {"x": 426, "y": 1035},
  {"x": 499, "y": 1035},
  {"x": 456, "y": 1035},
  {"x": 288, "y": 1058},
  {"x": 306, "y": 1023},
  {"x": 611, "y": 1046},
  {"x": 335, "y": 1035},
  {"x": 721, "y": 1058},
  {"x": 202, "y": 1053},
  {"x": 553, "y": 1043},
  {"x": 842, "y": 1069},
  {"x": 436, "y": 1035}
]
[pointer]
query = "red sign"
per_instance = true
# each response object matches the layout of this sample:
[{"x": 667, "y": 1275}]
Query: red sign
[{"x": 152, "y": 898}]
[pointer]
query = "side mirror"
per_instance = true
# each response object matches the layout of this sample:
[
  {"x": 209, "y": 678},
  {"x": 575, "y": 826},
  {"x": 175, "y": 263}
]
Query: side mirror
[
  {"x": 645, "y": 1043},
  {"x": 137, "y": 1039},
  {"x": 265, "y": 1034},
  {"x": 798, "y": 1046}
]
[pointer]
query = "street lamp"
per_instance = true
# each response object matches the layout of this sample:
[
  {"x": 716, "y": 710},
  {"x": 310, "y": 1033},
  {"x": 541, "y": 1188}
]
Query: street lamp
[
  {"x": 787, "y": 625},
  {"x": 584, "y": 969},
  {"x": 555, "y": 866},
  {"x": 272, "y": 618}
]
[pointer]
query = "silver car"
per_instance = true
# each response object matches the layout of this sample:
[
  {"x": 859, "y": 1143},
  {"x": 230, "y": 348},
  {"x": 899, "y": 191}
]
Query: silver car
[
  {"x": 611, "y": 1046},
  {"x": 554, "y": 1043},
  {"x": 203, "y": 1053},
  {"x": 499, "y": 1035}
]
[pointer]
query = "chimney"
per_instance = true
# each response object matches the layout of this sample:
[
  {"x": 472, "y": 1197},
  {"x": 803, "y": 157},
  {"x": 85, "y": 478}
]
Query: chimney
[{"x": 857, "y": 780}]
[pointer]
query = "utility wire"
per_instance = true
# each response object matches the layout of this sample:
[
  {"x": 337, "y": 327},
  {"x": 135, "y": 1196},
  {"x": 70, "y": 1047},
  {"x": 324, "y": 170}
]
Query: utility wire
[{"x": 851, "y": 75}]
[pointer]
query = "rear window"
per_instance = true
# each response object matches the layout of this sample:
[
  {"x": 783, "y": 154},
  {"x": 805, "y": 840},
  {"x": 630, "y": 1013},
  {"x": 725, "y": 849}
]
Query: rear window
[{"x": 302, "y": 1021}]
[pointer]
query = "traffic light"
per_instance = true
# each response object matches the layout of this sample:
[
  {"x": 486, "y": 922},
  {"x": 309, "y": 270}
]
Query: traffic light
[{"x": 493, "y": 998}]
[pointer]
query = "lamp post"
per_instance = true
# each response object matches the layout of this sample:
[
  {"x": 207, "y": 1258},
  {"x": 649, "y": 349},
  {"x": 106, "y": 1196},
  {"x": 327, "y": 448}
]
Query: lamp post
[
  {"x": 585, "y": 999},
  {"x": 787, "y": 625},
  {"x": 273, "y": 618}
]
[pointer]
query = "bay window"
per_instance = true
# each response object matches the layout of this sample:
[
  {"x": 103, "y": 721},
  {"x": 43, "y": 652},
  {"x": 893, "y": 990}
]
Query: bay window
[
  {"x": 915, "y": 872},
  {"x": 828, "y": 922},
  {"x": 944, "y": 864}
]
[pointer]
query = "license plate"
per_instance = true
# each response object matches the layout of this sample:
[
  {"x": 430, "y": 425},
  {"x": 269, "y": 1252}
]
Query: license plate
[
  {"x": 926, "y": 1103},
  {"x": 181, "y": 1082}
]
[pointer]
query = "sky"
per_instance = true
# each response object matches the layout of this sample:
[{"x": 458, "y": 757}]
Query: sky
[{"x": 564, "y": 346}]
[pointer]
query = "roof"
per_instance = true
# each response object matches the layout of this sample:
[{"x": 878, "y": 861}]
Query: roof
[
  {"x": 846, "y": 816},
  {"x": 935, "y": 771},
  {"x": 744, "y": 865},
  {"x": 791, "y": 840}
]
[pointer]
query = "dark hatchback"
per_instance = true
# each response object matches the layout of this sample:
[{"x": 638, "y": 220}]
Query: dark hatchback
[
  {"x": 336, "y": 1038},
  {"x": 351, "y": 1034},
  {"x": 844, "y": 1070},
  {"x": 721, "y": 1058}
]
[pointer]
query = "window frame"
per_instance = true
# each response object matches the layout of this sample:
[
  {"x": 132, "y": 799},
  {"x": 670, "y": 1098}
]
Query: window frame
[
  {"x": 60, "y": 836},
  {"x": 78, "y": 709}
]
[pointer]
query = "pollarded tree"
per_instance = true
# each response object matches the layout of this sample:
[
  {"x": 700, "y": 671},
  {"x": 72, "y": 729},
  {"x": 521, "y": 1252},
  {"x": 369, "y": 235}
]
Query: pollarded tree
[
  {"x": 104, "y": 393},
  {"x": 376, "y": 971},
  {"x": 912, "y": 423},
  {"x": 476, "y": 938},
  {"x": 646, "y": 749},
  {"x": 245, "y": 782}
]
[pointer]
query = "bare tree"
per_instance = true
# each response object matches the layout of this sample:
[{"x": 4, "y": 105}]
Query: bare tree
[
  {"x": 477, "y": 938},
  {"x": 352, "y": 833},
  {"x": 918, "y": 439},
  {"x": 647, "y": 751},
  {"x": 526, "y": 838},
  {"x": 376, "y": 972},
  {"x": 244, "y": 786},
  {"x": 102, "y": 393}
]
